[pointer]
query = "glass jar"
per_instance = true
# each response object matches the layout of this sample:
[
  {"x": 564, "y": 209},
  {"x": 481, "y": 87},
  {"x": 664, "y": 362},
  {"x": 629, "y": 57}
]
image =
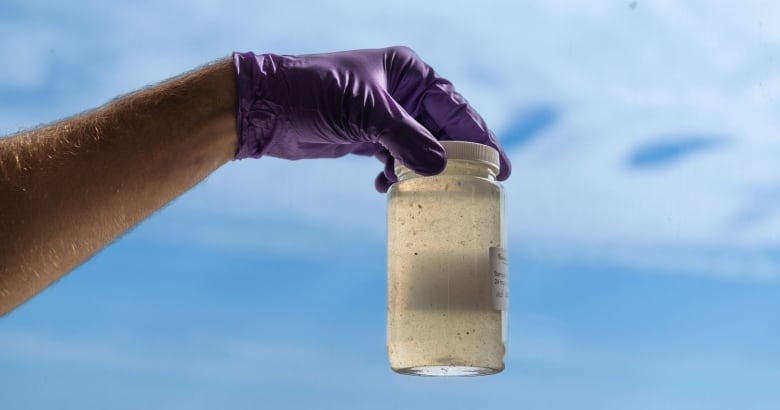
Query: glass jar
[{"x": 447, "y": 271}]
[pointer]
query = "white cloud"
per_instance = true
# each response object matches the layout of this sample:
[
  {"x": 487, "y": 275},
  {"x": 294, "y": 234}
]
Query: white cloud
[{"x": 235, "y": 360}]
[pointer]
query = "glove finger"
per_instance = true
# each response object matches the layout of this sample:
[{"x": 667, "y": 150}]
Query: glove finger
[
  {"x": 506, "y": 165},
  {"x": 451, "y": 117},
  {"x": 407, "y": 140},
  {"x": 434, "y": 103},
  {"x": 381, "y": 183},
  {"x": 383, "y": 155},
  {"x": 389, "y": 171},
  {"x": 387, "y": 177}
]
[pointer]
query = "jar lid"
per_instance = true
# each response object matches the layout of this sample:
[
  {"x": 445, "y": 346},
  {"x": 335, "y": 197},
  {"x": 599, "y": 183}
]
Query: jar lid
[{"x": 472, "y": 151}]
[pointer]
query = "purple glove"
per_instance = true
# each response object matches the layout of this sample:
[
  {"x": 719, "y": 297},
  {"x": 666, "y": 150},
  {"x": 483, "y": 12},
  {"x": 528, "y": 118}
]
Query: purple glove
[{"x": 384, "y": 102}]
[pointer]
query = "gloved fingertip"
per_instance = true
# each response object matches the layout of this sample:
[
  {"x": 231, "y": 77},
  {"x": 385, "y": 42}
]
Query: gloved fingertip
[
  {"x": 429, "y": 161},
  {"x": 506, "y": 167},
  {"x": 381, "y": 183}
]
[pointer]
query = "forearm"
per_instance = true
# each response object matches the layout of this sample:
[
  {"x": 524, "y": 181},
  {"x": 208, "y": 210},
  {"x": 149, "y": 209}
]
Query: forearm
[{"x": 70, "y": 188}]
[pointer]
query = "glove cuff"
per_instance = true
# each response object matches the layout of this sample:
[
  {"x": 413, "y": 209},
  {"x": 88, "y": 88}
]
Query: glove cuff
[{"x": 257, "y": 116}]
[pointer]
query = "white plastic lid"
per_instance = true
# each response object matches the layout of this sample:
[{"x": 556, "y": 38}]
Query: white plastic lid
[{"x": 472, "y": 151}]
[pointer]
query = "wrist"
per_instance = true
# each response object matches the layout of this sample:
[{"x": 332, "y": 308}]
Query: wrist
[{"x": 257, "y": 113}]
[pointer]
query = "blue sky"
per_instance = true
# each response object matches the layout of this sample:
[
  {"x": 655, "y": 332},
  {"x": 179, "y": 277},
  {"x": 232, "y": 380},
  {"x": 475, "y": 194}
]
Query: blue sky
[{"x": 643, "y": 213}]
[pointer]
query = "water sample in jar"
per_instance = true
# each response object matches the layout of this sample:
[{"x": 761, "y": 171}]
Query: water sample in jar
[{"x": 447, "y": 267}]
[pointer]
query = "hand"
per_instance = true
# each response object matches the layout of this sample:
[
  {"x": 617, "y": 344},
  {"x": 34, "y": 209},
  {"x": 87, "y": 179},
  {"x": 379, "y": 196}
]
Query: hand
[{"x": 383, "y": 102}]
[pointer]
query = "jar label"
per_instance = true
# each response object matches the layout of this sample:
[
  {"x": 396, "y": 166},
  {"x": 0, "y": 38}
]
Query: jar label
[{"x": 499, "y": 268}]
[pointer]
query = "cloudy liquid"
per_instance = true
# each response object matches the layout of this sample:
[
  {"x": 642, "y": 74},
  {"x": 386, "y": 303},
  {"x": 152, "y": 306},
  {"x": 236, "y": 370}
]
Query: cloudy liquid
[{"x": 441, "y": 314}]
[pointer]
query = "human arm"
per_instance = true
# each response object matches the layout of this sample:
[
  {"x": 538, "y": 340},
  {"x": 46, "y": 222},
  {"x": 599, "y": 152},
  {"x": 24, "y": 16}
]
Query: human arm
[{"x": 70, "y": 188}]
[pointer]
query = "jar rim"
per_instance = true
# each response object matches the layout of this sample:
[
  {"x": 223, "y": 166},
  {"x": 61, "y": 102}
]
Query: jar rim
[
  {"x": 471, "y": 151},
  {"x": 467, "y": 151}
]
